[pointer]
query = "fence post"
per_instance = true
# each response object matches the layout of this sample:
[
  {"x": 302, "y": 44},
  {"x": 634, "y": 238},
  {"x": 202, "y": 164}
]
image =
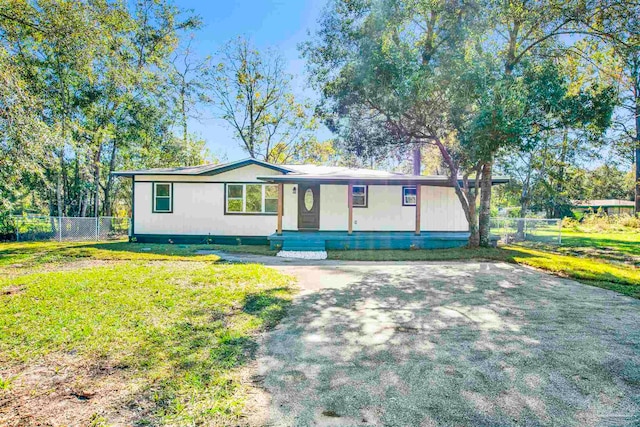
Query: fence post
[
  {"x": 559, "y": 232},
  {"x": 12, "y": 219},
  {"x": 59, "y": 229},
  {"x": 97, "y": 228}
]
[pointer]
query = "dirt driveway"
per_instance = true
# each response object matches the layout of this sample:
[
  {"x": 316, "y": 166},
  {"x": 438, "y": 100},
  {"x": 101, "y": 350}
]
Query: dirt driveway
[{"x": 451, "y": 344}]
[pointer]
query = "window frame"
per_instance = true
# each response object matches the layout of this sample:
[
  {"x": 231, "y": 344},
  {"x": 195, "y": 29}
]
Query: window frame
[
  {"x": 244, "y": 199},
  {"x": 404, "y": 200},
  {"x": 154, "y": 196},
  {"x": 365, "y": 194}
]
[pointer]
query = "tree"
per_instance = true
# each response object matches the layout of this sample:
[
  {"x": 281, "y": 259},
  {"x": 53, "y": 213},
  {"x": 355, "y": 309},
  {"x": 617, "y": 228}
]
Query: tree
[
  {"x": 399, "y": 73},
  {"x": 252, "y": 93},
  {"x": 95, "y": 72},
  {"x": 616, "y": 25},
  {"x": 187, "y": 86},
  {"x": 569, "y": 115}
]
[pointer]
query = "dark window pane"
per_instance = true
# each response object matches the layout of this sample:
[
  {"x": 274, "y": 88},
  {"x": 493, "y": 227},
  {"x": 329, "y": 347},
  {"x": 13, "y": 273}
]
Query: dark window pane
[
  {"x": 234, "y": 191},
  {"x": 254, "y": 198},
  {"x": 358, "y": 200},
  {"x": 359, "y": 189},
  {"x": 270, "y": 205},
  {"x": 163, "y": 204},
  {"x": 163, "y": 190},
  {"x": 234, "y": 206}
]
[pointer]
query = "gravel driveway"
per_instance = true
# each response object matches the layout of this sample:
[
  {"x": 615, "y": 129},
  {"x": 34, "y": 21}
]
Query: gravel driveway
[{"x": 424, "y": 344}]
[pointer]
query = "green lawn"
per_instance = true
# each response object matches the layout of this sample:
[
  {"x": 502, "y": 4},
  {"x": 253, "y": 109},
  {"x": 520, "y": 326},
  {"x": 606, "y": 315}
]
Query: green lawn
[
  {"x": 175, "y": 327},
  {"x": 608, "y": 260},
  {"x": 178, "y": 328}
]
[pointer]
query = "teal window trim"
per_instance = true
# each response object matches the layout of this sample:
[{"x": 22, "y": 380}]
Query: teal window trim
[
  {"x": 263, "y": 199},
  {"x": 154, "y": 197}
]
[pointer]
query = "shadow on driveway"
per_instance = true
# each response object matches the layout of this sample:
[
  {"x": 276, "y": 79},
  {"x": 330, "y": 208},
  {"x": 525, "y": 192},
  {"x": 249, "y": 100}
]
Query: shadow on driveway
[{"x": 453, "y": 344}]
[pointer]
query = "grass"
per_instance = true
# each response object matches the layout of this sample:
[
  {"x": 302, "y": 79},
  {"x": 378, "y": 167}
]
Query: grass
[
  {"x": 608, "y": 261},
  {"x": 175, "y": 326},
  {"x": 31, "y": 254}
]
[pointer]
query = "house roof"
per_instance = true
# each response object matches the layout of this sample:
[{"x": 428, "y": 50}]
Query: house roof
[
  {"x": 344, "y": 175},
  {"x": 306, "y": 173},
  {"x": 602, "y": 203},
  {"x": 210, "y": 169},
  {"x": 433, "y": 180}
]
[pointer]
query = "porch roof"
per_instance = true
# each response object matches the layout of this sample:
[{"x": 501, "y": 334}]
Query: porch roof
[{"x": 395, "y": 179}]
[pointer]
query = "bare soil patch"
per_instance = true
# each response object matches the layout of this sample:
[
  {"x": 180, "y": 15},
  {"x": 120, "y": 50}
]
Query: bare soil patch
[{"x": 71, "y": 391}]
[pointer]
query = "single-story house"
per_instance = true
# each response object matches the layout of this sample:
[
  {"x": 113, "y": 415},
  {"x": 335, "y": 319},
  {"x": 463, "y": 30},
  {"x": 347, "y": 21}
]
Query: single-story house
[
  {"x": 295, "y": 207},
  {"x": 607, "y": 206}
]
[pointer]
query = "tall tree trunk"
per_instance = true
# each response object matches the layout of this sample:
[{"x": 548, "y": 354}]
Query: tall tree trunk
[
  {"x": 96, "y": 181},
  {"x": 416, "y": 160},
  {"x": 484, "y": 218},
  {"x": 524, "y": 199},
  {"x": 474, "y": 230},
  {"x": 108, "y": 203},
  {"x": 636, "y": 94},
  {"x": 466, "y": 195},
  {"x": 560, "y": 178}
]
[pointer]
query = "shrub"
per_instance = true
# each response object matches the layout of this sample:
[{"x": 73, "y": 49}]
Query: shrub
[{"x": 594, "y": 222}]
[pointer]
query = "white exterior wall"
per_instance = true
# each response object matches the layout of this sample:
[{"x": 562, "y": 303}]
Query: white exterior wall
[
  {"x": 290, "y": 208},
  {"x": 334, "y": 208},
  {"x": 198, "y": 206},
  {"x": 385, "y": 211},
  {"x": 441, "y": 210}
]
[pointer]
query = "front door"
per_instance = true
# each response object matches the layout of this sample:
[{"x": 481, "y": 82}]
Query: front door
[{"x": 308, "y": 206}]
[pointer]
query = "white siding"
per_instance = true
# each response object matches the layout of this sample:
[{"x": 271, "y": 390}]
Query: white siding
[
  {"x": 441, "y": 210},
  {"x": 198, "y": 206},
  {"x": 384, "y": 211},
  {"x": 334, "y": 208},
  {"x": 290, "y": 205}
]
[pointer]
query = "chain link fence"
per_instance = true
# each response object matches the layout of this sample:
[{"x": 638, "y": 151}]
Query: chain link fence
[
  {"x": 513, "y": 230},
  {"x": 40, "y": 227}
]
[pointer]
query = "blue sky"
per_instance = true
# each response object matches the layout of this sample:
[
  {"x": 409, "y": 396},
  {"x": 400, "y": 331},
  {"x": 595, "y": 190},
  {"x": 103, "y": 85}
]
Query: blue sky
[{"x": 280, "y": 24}]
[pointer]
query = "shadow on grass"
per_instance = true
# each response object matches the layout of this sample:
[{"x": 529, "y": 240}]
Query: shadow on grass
[{"x": 197, "y": 360}]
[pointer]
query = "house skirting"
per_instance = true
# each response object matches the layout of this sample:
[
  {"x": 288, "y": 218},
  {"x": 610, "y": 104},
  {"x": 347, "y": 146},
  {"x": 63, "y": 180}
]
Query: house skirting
[
  {"x": 341, "y": 240},
  {"x": 199, "y": 239}
]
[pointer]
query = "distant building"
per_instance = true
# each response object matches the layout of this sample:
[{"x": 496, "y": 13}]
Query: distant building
[{"x": 608, "y": 206}]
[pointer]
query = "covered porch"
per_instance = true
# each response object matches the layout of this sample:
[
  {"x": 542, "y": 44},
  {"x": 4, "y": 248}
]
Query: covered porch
[
  {"x": 343, "y": 240},
  {"x": 392, "y": 212}
]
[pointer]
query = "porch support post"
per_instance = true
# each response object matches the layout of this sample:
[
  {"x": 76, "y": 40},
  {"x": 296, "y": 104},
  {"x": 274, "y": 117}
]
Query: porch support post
[
  {"x": 418, "y": 208},
  {"x": 350, "y": 196},
  {"x": 280, "y": 200}
]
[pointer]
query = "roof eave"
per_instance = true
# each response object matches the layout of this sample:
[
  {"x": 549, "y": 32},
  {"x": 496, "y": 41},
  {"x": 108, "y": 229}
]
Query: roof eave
[
  {"x": 427, "y": 181},
  {"x": 214, "y": 170}
]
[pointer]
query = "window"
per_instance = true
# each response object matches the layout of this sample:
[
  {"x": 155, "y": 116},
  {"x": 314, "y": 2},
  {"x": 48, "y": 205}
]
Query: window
[
  {"x": 252, "y": 199},
  {"x": 409, "y": 196},
  {"x": 360, "y": 196},
  {"x": 162, "y": 194}
]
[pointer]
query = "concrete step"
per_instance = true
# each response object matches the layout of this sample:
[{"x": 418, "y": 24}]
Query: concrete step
[{"x": 303, "y": 245}]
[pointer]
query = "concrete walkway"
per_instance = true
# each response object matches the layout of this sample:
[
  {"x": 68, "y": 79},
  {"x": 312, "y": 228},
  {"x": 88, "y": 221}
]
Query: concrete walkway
[{"x": 465, "y": 344}]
